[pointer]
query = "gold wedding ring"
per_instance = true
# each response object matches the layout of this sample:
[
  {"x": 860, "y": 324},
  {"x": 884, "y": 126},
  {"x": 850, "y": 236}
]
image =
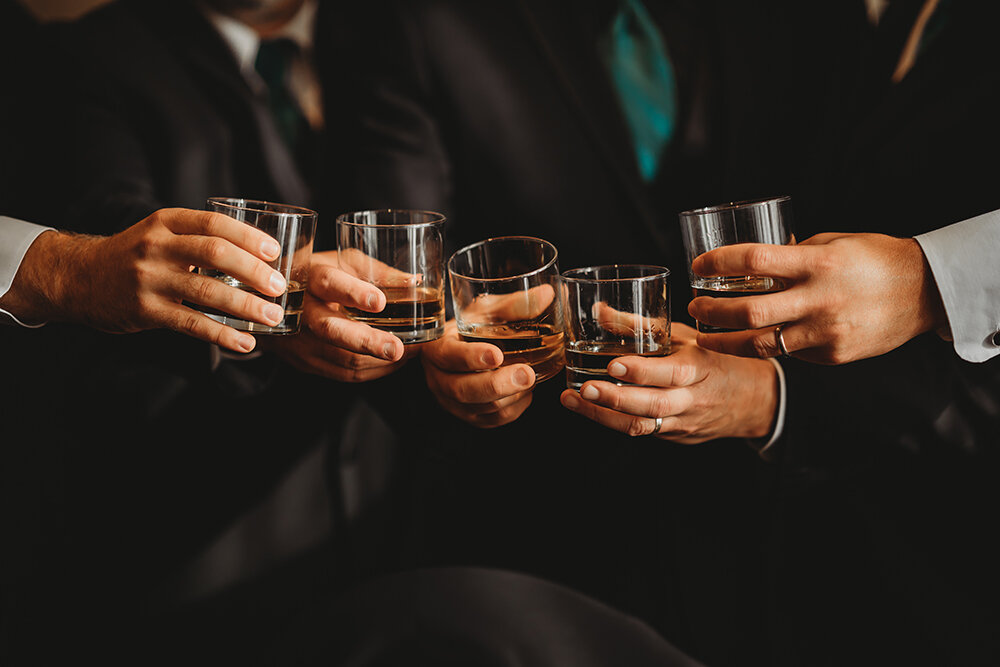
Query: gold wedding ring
[{"x": 780, "y": 342}]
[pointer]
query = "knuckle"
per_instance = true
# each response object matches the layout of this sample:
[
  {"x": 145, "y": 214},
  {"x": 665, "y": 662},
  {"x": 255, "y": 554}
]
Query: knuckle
[
  {"x": 756, "y": 314},
  {"x": 636, "y": 427},
  {"x": 249, "y": 302},
  {"x": 762, "y": 345},
  {"x": 188, "y": 323},
  {"x": 146, "y": 246},
  {"x": 205, "y": 291},
  {"x": 215, "y": 250},
  {"x": 661, "y": 404},
  {"x": 682, "y": 375},
  {"x": 758, "y": 258}
]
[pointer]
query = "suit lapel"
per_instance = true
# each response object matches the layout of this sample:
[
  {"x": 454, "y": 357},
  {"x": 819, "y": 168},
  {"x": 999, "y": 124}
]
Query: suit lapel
[
  {"x": 581, "y": 77},
  {"x": 208, "y": 58}
]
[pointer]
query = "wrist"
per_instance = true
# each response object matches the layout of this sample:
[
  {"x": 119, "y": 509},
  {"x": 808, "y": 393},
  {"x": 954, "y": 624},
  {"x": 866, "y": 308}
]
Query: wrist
[
  {"x": 931, "y": 315},
  {"x": 763, "y": 401},
  {"x": 48, "y": 279}
]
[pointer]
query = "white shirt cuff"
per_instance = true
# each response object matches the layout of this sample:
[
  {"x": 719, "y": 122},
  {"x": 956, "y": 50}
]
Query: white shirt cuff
[
  {"x": 16, "y": 236},
  {"x": 779, "y": 420},
  {"x": 963, "y": 258}
]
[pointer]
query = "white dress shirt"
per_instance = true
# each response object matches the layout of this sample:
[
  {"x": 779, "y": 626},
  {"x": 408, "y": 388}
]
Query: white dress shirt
[
  {"x": 965, "y": 260},
  {"x": 16, "y": 236}
]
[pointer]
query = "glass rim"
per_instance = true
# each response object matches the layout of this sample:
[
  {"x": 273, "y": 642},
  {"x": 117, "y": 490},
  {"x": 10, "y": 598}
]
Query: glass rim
[
  {"x": 261, "y": 206},
  {"x": 540, "y": 269},
  {"x": 655, "y": 272},
  {"x": 735, "y": 205},
  {"x": 436, "y": 218}
]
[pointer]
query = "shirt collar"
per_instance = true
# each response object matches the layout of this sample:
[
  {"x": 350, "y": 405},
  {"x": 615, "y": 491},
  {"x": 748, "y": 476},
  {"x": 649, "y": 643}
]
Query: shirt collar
[{"x": 244, "y": 42}]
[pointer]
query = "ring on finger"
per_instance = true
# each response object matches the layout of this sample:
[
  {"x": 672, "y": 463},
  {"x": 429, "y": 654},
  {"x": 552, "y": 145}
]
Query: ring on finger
[
  {"x": 780, "y": 342},
  {"x": 656, "y": 425}
]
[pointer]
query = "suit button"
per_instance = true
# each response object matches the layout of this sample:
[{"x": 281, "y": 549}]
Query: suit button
[{"x": 996, "y": 339}]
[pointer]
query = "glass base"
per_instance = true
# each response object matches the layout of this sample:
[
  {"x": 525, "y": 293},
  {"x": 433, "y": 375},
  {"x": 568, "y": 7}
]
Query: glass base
[
  {"x": 414, "y": 336},
  {"x": 288, "y": 326}
]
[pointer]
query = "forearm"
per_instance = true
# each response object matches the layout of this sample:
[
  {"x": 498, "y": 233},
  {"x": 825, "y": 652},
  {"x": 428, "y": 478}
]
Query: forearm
[{"x": 51, "y": 275}]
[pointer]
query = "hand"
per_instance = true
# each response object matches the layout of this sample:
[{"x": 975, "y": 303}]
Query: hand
[
  {"x": 849, "y": 297},
  {"x": 631, "y": 325},
  {"x": 699, "y": 394},
  {"x": 331, "y": 344},
  {"x": 137, "y": 279},
  {"x": 469, "y": 382},
  {"x": 493, "y": 309}
]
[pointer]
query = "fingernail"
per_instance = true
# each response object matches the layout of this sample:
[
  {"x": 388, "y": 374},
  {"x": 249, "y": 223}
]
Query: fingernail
[
  {"x": 589, "y": 393},
  {"x": 273, "y": 312},
  {"x": 521, "y": 378},
  {"x": 270, "y": 248},
  {"x": 245, "y": 343},
  {"x": 277, "y": 282},
  {"x": 389, "y": 351},
  {"x": 570, "y": 401},
  {"x": 489, "y": 359},
  {"x": 372, "y": 300},
  {"x": 617, "y": 369}
]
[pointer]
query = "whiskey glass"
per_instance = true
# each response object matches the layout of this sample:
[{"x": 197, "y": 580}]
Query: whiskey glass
[
  {"x": 505, "y": 291},
  {"x": 399, "y": 251}
]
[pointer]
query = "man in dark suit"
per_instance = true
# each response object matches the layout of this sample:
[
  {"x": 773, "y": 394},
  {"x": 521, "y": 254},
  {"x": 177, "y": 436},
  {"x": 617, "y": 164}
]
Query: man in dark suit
[
  {"x": 185, "y": 492},
  {"x": 885, "y": 472},
  {"x": 503, "y": 116},
  {"x": 888, "y": 473}
]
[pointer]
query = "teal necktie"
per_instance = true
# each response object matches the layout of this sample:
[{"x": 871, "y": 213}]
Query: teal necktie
[{"x": 640, "y": 69}]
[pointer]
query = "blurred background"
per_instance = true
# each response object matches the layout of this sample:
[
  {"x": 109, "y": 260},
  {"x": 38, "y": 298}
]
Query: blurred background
[{"x": 60, "y": 9}]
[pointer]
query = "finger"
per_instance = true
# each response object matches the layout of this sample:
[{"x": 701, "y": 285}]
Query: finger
[
  {"x": 680, "y": 369},
  {"x": 763, "y": 343},
  {"x": 521, "y": 305},
  {"x": 198, "y": 325},
  {"x": 483, "y": 387},
  {"x": 484, "y": 410},
  {"x": 331, "y": 284},
  {"x": 635, "y": 425},
  {"x": 629, "y": 324},
  {"x": 753, "y": 259},
  {"x": 682, "y": 333},
  {"x": 649, "y": 402},
  {"x": 748, "y": 312},
  {"x": 364, "y": 267},
  {"x": 336, "y": 369},
  {"x": 214, "y": 294},
  {"x": 209, "y": 223},
  {"x": 209, "y": 252},
  {"x": 335, "y": 330},
  {"x": 451, "y": 354}
]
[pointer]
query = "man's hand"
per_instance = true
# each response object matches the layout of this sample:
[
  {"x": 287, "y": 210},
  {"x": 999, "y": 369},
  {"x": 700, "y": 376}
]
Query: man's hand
[
  {"x": 329, "y": 343},
  {"x": 469, "y": 382},
  {"x": 699, "y": 395},
  {"x": 849, "y": 297},
  {"x": 137, "y": 279}
]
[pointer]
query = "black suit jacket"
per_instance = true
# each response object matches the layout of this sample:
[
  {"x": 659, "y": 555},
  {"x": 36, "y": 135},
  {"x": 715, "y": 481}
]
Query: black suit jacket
[
  {"x": 162, "y": 115},
  {"x": 500, "y": 115},
  {"x": 153, "y": 452},
  {"x": 889, "y": 467}
]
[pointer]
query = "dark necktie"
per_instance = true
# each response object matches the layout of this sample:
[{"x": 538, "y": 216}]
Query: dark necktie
[
  {"x": 273, "y": 64},
  {"x": 636, "y": 57}
]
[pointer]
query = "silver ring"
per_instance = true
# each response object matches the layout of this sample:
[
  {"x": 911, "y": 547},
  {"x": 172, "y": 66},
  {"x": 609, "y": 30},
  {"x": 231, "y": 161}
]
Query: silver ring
[
  {"x": 780, "y": 342},
  {"x": 656, "y": 428}
]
